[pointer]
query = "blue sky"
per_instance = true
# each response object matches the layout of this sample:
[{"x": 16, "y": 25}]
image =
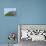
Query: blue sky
[{"x": 6, "y": 10}]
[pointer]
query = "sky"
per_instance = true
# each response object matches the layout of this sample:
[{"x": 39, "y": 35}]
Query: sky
[{"x": 6, "y": 10}]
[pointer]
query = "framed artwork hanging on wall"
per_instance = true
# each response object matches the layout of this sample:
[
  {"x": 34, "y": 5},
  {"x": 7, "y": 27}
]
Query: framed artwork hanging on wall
[{"x": 9, "y": 11}]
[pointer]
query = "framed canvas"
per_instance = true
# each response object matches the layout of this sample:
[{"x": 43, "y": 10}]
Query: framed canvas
[{"x": 9, "y": 11}]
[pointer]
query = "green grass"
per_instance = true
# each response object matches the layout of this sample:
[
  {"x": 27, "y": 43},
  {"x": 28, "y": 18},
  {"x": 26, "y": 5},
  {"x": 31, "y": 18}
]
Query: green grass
[{"x": 9, "y": 14}]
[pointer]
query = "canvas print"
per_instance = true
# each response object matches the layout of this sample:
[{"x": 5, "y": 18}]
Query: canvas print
[{"x": 9, "y": 11}]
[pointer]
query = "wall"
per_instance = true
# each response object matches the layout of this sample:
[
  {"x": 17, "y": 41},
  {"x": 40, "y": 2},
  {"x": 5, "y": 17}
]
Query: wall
[{"x": 28, "y": 12}]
